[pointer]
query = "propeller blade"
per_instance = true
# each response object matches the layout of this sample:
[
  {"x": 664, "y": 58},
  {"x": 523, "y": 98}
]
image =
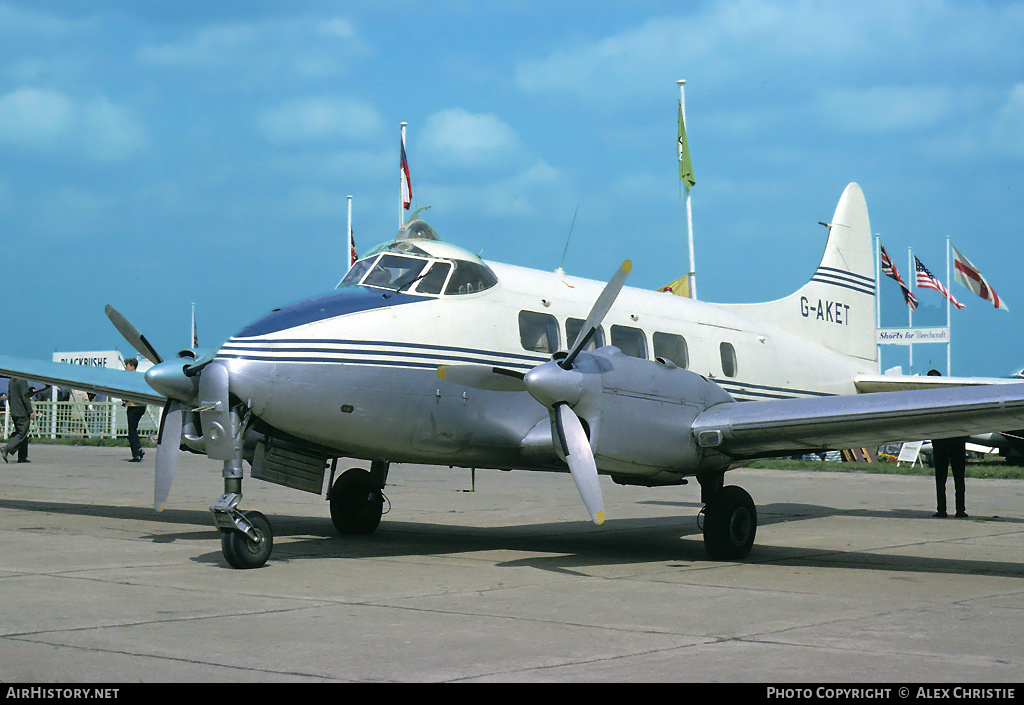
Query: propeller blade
[
  {"x": 132, "y": 335},
  {"x": 167, "y": 447},
  {"x": 597, "y": 313},
  {"x": 580, "y": 457},
  {"x": 494, "y": 379}
]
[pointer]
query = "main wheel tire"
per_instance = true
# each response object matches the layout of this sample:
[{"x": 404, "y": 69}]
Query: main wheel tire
[
  {"x": 356, "y": 503},
  {"x": 242, "y": 552},
  {"x": 730, "y": 524}
]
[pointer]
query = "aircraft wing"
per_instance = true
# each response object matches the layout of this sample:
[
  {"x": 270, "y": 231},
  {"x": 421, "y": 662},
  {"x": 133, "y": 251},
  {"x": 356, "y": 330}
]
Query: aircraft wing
[
  {"x": 752, "y": 429},
  {"x": 120, "y": 384},
  {"x": 899, "y": 383}
]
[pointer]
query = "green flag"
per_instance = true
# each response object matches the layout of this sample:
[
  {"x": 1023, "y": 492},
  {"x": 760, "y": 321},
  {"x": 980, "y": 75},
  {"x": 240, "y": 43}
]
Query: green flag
[{"x": 685, "y": 167}]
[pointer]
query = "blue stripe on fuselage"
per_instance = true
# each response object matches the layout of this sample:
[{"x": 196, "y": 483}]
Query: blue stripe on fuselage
[{"x": 337, "y": 303}]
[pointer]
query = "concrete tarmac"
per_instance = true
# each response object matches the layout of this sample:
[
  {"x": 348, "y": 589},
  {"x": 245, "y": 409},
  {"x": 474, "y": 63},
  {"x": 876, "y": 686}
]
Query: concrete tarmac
[{"x": 504, "y": 579}]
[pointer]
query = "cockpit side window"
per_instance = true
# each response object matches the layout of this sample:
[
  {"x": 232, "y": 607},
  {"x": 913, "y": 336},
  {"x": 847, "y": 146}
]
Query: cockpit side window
[
  {"x": 469, "y": 278},
  {"x": 356, "y": 272},
  {"x": 433, "y": 281}
]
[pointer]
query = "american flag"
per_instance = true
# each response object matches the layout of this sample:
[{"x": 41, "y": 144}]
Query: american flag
[
  {"x": 927, "y": 280},
  {"x": 889, "y": 269}
]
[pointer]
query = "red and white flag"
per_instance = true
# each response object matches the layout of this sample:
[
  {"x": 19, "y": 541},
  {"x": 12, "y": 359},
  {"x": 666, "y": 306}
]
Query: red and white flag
[
  {"x": 927, "y": 280},
  {"x": 352, "y": 256},
  {"x": 968, "y": 275},
  {"x": 406, "y": 179}
]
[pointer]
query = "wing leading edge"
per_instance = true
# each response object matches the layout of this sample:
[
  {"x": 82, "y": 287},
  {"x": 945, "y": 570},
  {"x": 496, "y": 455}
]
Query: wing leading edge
[
  {"x": 121, "y": 384},
  {"x": 754, "y": 429}
]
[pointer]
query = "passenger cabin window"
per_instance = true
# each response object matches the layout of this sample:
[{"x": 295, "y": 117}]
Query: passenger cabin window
[
  {"x": 572, "y": 330},
  {"x": 728, "y": 359},
  {"x": 630, "y": 341},
  {"x": 672, "y": 347},
  {"x": 538, "y": 332}
]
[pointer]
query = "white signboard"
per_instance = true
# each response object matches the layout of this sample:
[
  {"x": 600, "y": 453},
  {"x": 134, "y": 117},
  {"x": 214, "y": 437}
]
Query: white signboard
[
  {"x": 102, "y": 358},
  {"x": 909, "y": 452},
  {"x": 911, "y": 336}
]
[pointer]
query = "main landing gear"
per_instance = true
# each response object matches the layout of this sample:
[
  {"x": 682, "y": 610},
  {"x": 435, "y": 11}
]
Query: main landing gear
[
  {"x": 357, "y": 499},
  {"x": 729, "y": 519}
]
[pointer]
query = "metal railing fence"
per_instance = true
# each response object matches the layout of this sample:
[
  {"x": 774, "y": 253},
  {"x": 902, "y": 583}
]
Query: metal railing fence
[{"x": 75, "y": 419}]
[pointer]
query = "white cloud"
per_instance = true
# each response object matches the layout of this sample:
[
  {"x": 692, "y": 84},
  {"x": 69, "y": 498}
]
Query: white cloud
[
  {"x": 457, "y": 138},
  {"x": 304, "y": 48},
  {"x": 44, "y": 120},
  {"x": 886, "y": 109},
  {"x": 319, "y": 118},
  {"x": 110, "y": 132},
  {"x": 735, "y": 42},
  {"x": 1007, "y": 132},
  {"x": 33, "y": 118}
]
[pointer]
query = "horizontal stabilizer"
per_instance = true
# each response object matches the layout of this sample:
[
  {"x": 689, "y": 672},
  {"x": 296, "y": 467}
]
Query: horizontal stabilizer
[{"x": 902, "y": 383}]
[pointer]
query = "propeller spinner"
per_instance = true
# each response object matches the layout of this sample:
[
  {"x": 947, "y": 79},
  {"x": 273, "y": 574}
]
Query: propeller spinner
[{"x": 557, "y": 385}]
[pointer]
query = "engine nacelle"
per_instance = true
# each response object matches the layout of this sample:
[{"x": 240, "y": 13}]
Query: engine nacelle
[{"x": 640, "y": 412}]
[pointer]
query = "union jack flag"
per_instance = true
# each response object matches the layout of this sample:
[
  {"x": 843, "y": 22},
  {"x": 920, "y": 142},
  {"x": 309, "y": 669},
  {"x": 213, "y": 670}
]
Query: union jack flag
[
  {"x": 889, "y": 269},
  {"x": 927, "y": 280}
]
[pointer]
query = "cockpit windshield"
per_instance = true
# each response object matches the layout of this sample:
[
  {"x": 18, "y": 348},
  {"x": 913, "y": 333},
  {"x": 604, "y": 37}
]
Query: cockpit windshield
[
  {"x": 386, "y": 271},
  {"x": 417, "y": 261}
]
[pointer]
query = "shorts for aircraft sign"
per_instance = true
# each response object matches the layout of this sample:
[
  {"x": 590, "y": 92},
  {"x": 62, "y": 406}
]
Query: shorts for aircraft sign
[{"x": 911, "y": 336}]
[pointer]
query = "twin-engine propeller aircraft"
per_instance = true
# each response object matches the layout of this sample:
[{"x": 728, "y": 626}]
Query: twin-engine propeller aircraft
[{"x": 427, "y": 354}]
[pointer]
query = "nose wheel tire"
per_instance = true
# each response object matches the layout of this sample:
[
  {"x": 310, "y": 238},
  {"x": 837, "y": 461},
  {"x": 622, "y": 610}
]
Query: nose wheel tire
[
  {"x": 356, "y": 503},
  {"x": 730, "y": 524},
  {"x": 242, "y": 552}
]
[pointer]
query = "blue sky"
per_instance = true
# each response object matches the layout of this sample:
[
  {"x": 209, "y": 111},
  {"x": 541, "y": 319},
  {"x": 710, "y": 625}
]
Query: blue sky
[{"x": 157, "y": 154}]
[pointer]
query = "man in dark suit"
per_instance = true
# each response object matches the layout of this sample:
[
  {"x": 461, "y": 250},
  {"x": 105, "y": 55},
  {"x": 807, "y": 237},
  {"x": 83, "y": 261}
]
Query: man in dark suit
[
  {"x": 19, "y": 406},
  {"x": 949, "y": 454},
  {"x": 135, "y": 412}
]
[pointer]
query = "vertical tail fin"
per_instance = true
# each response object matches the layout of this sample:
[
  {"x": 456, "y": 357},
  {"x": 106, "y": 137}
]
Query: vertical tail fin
[{"x": 836, "y": 308}]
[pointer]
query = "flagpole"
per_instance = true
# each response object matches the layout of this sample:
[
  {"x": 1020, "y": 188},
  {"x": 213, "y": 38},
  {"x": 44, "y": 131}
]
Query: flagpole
[
  {"x": 878, "y": 280},
  {"x": 949, "y": 331},
  {"x": 692, "y": 276},
  {"x": 912, "y": 272}
]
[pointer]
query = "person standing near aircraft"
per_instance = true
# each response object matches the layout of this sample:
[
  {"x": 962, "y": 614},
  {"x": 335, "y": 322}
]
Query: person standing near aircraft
[
  {"x": 949, "y": 453},
  {"x": 19, "y": 406},
  {"x": 134, "y": 411}
]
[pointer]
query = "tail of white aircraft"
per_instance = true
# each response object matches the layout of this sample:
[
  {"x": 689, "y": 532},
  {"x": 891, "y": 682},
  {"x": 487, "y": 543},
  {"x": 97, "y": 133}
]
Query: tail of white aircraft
[{"x": 836, "y": 308}]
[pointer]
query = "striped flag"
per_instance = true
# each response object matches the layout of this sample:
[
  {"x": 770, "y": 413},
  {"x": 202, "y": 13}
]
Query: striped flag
[
  {"x": 927, "y": 280},
  {"x": 406, "y": 179},
  {"x": 968, "y": 275},
  {"x": 889, "y": 269}
]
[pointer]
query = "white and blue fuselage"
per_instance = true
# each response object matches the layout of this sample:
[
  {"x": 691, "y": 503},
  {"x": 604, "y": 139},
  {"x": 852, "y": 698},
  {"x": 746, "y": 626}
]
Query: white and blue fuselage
[{"x": 355, "y": 370}]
